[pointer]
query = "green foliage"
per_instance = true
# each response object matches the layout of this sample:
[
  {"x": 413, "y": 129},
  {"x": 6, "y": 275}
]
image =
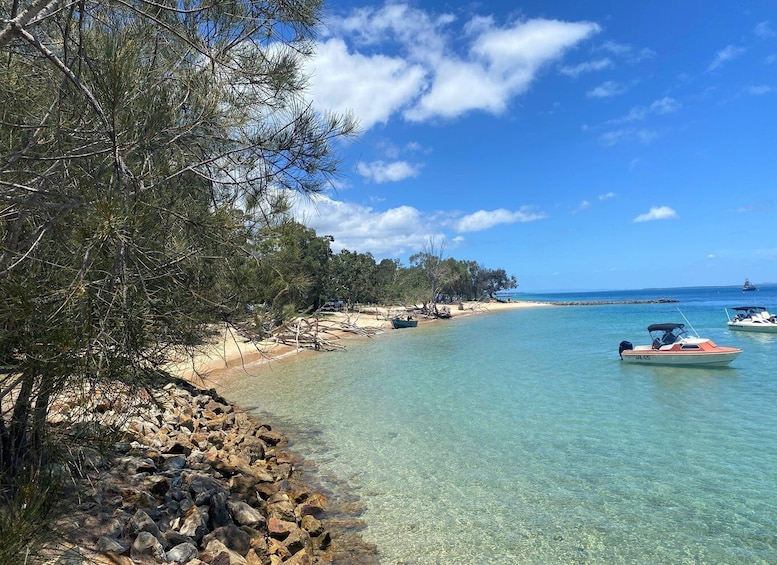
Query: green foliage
[
  {"x": 141, "y": 148},
  {"x": 26, "y": 516},
  {"x": 291, "y": 266}
]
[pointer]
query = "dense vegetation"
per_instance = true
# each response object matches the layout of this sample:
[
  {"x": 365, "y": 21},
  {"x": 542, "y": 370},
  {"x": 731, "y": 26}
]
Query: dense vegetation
[
  {"x": 145, "y": 150},
  {"x": 296, "y": 270}
]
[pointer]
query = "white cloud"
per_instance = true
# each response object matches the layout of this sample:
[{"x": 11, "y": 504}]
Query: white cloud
[
  {"x": 381, "y": 171},
  {"x": 396, "y": 231},
  {"x": 662, "y": 106},
  {"x": 666, "y": 105},
  {"x": 615, "y": 137},
  {"x": 764, "y": 30},
  {"x": 583, "y": 205},
  {"x": 759, "y": 89},
  {"x": 484, "y": 219},
  {"x": 434, "y": 71},
  {"x": 711, "y": 256},
  {"x": 387, "y": 233},
  {"x": 587, "y": 67},
  {"x": 627, "y": 52},
  {"x": 372, "y": 87},
  {"x": 606, "y": 90},
  {"x": 607, "y": 196},
  {"x": 657, "y": 213},
  {"x": 725, "y": 55}
]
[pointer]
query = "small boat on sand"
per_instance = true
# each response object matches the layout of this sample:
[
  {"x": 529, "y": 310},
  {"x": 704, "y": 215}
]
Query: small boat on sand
[
  {"x": 752, "y": 319},
  {"x": 673, "y": 345},
  {"x": 748, "y": 286},
  {"x": 408, "y": 322}
]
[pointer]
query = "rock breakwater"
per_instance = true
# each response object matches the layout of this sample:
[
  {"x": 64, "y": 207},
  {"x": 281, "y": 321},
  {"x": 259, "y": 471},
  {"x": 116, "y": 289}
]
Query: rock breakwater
[
  {"x": 605, "y": 302},
  {"x": 189, "y": 479}
]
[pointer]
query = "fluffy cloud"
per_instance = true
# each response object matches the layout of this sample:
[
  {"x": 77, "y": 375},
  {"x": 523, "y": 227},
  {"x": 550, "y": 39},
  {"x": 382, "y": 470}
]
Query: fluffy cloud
[
  {"x": 587, "y": 67},
  {"x": 381, "y": 171},
  {"x": 396, "y": 231},
  {"x": 433, "y": 71},
  {"x": 388, "y": 233},
  {"x": 372, "y": 87},
  {"x": 657, "y": 213},
  {"x": 606, "y": 90},
  {"x": 484, "y": 219}
]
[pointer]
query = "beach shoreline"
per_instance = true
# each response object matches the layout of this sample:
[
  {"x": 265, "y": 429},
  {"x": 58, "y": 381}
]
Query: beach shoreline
[{"x": 228, "y": 351}]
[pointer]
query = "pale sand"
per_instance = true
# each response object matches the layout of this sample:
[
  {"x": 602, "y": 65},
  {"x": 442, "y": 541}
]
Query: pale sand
[{"x": 230, "y": 351}]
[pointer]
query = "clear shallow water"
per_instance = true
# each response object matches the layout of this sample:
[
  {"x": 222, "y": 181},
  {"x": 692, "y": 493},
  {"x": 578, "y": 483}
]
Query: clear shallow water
[{"x": 518, "y": 437}]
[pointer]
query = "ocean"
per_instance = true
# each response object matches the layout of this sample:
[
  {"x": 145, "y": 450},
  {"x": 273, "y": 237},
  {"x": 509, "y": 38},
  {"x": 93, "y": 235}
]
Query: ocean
[{"x": 518, "y": 437}]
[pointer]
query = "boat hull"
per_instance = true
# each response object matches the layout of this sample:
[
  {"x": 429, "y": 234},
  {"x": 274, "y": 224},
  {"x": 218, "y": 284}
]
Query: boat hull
[
  {"x": 652, "y": 357},
  {"x": 686, "y": 352},
  {"x": 766, "y": 327},
  {"x": 398, "y": 324}
]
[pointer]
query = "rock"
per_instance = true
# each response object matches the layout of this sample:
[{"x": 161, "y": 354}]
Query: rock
[
  {"x": 313, "y": 526},
  {"x": 297, "y": 540},
  {"x": 195, "y": 524},
  {"x": 245, "y": 515},
  {"x": 279, "y": 529},
  {"x": 269, "y": 437},
  {"x": 182, "y": 553},
  {"x": 223, "y": 555},
  {"x": 110, "y": 545},
  {"x": 146, "y": 547},
  {"x": 200, "y": 483},
  {"x": 282, "y": 510},
  {"x": 323, "y": 541},
  {"x": 175, "y": 538},
  {"x": 142, "y": 522},
  {"x": 219, "y": 515},
  {"x": 232, "y": 537},
  {"x": 72, "y": 556},
  {"x": 252, "y": 558},
  {"x": 189, "y": 464},
  {"x": 157, "y": 484},
  {"x": 135, "y": 465},
  {"x": 299, "y": 558}
]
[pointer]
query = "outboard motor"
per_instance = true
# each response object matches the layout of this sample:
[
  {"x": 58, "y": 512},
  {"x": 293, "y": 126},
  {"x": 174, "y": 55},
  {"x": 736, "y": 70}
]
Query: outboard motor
[{"x": 624, "y": 346}]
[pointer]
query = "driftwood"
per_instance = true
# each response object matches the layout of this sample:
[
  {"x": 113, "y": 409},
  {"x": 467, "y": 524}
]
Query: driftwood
[{"x": 317, "y": 333}]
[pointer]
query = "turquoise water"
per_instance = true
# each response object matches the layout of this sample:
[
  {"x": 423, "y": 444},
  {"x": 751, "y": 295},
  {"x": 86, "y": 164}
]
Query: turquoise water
[{"x": 518, "y": 436}]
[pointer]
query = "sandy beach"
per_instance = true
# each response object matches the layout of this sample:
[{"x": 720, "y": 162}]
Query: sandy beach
[{"x": 228, "y": 350}]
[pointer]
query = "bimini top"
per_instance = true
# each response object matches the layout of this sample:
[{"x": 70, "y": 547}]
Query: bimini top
[
  {"x": 664, "y": 327},
  {"x": 746, "y": 308}
]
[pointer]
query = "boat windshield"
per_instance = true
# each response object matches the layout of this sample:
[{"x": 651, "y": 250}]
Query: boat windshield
[{"x": 665, "y": 334}]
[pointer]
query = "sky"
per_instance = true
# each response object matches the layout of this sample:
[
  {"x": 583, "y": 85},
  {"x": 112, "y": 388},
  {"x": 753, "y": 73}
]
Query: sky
[{"x": 579, "y": 145}]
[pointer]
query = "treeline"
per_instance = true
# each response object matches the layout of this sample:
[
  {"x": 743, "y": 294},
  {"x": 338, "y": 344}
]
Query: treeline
[
  {"x": 296, "y": 270},
  {"x": 145, "y": 150}
]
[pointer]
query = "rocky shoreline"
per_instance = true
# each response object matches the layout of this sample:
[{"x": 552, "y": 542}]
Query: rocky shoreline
[{"x": 190, "y": 479}]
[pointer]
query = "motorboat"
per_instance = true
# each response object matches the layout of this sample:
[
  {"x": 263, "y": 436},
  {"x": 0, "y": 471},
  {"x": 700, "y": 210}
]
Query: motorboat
[
  {"x": 673, "y": 345},
  {"x": 752, "y": 319},
  {"x": 748, "y": 286},
  {"x": 408, "y": 322}
]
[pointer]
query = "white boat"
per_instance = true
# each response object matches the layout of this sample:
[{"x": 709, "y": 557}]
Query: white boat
[
  {"x": 752, "y": 319},
  {"x": 673, "y": 345}
]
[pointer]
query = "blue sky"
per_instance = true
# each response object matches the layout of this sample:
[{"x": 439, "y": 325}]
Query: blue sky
[{"x": 580, "y": 145}]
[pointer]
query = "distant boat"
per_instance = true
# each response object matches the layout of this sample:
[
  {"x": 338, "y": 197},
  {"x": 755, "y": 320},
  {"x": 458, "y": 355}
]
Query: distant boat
[
  {"x": 672, "y": 345},
  {"x": 748, "y": 286},
  {"x": 403, "y": 322}
]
